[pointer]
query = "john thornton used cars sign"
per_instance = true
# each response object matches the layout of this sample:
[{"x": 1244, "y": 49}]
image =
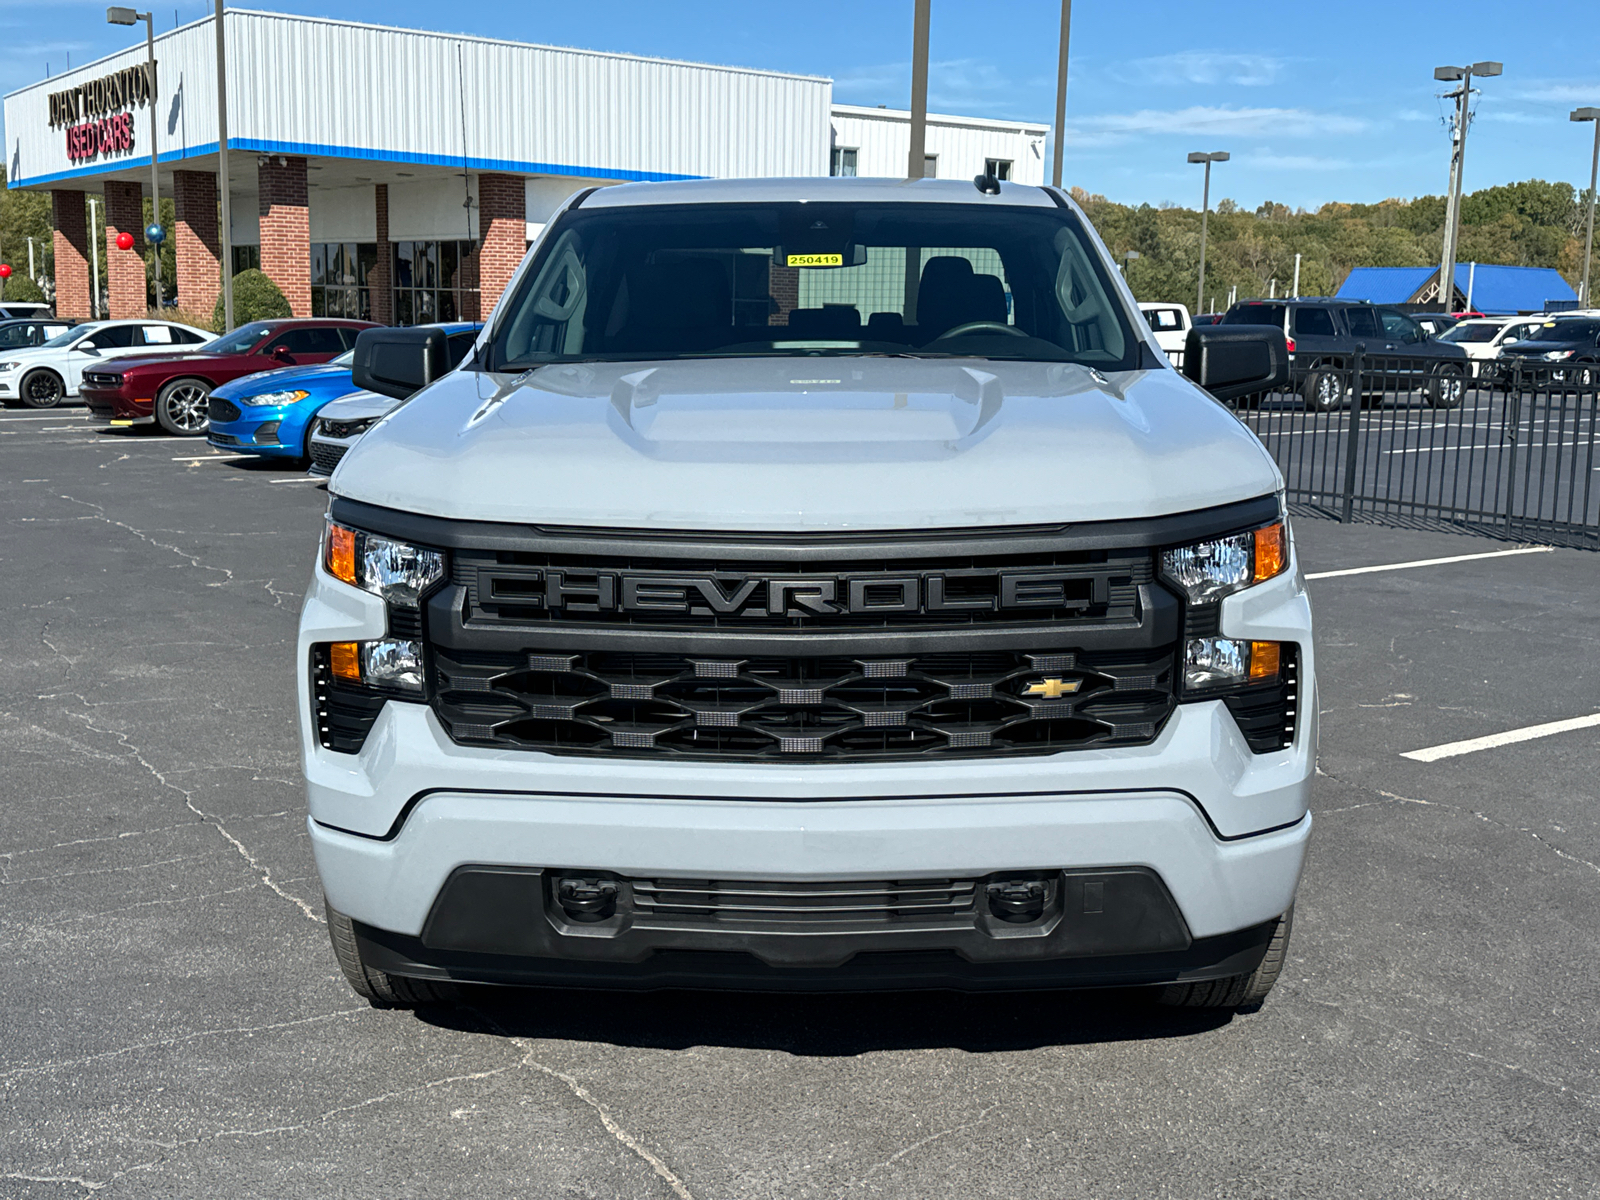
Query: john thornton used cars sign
[{"x": 106, "y": 131}]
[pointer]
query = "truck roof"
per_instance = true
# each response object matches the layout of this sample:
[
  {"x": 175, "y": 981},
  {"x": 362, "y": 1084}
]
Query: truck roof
[{"x": 821, "y": 188}]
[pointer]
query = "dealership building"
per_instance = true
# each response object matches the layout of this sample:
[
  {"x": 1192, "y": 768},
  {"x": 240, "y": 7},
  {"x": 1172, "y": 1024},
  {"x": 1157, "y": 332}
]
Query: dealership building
[{"x": 399, "y": 175}]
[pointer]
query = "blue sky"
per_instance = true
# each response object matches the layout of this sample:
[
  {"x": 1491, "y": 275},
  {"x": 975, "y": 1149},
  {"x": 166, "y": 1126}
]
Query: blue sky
[{"x": 1322, "y": 102}]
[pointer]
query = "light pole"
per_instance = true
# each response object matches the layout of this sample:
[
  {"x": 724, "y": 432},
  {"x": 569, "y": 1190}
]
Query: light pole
[
  {"x": 1458, "y": 152},
  {"x": 1127, "y": 259},
  {"x": 917, "y": 159},
  {"x": 223, "y": 185},
  {"x": 1589, "y": 114},
  {"x": 127, "y": 16},
  {"x": 1061, "y": 92},
  {"x": 1205, "y": 216}
]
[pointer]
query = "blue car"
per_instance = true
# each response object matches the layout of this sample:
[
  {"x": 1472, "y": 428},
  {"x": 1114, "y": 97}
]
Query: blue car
[{"x": 270, "y": 413}]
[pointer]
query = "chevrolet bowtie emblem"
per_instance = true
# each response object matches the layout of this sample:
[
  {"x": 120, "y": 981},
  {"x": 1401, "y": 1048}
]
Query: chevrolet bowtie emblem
[{"x": 1052, "y": 689}]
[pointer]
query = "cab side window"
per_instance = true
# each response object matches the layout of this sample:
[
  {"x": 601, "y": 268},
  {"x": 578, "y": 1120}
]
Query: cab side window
[
  {"x": 115, "y": 338},
  {"x": 1399, "y": 326},
  {"x": 458, "y": 344},
  {"x": 1363, "y": 322},
  {"x": 1313, "y": 322}
]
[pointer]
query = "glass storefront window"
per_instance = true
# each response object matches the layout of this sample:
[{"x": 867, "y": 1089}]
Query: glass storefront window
[
  {"x": 339, "y": 273},
  {"x": 435, "y": 281}
]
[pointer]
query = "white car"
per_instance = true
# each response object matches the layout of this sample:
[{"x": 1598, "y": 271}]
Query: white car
[
  {"x": 1171, "y": 324},
  {"x": 12, "y": 310},
  {"x": 340, "y": 423},
  {"x": 43, "y": 376},
  {"x": 1482, "y": 337}
]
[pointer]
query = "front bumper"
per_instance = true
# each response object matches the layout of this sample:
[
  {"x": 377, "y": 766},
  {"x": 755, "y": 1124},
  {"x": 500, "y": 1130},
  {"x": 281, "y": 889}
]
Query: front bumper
[
  {"x": 241, "y": 436},
  {"x": 117, "y": 405}
]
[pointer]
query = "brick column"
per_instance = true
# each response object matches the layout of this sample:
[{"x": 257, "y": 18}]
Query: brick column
[
  {"x": 125, "y": 270},
  {"x": 286, "y": 230},
  {"x": 72, "y": 255},
  {"x": 380, "y": 281},
  {"x": 198, "y": 248},
  {"x": 503, "y": 226}
]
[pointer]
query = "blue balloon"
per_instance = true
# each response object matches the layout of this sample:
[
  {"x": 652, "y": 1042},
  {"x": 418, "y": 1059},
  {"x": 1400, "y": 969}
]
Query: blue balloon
[{"x": 155, "y": 235}]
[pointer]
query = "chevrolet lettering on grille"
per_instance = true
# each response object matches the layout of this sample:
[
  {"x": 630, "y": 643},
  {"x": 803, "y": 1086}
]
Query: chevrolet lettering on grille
[{"x": 559, "y": 591}]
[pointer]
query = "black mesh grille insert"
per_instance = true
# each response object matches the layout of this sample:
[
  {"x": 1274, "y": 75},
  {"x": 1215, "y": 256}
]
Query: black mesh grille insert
[
  {"x": 224, "y": 410},
  {"x": 828, "y": 708},
  {"x": 777, "y": 907},
  {"x": 343, "y": 715},
  {"x": 1267, "y": 715},
  {"x": 325, "y": 456}
]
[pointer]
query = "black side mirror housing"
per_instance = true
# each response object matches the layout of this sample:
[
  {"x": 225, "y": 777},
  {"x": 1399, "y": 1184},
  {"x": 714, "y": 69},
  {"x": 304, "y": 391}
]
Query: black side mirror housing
[
  {"x": 399, "y": 362},
  {"x": 1231, "y": 361}
]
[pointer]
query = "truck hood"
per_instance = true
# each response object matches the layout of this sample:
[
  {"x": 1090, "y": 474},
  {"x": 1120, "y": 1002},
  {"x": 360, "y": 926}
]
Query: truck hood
[{"x": 807, "y": 444}]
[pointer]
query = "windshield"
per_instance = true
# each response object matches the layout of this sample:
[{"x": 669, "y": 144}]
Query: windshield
[
  {"x": 1470, "y": 332},
  {"x": 241, "y": 341},
  {"x": 1564, "y": 331},
  {"x": 1254, "y": 314},
  {"x": 344, "y": 360},
  {"x": 791, "y": 279},
  {"x": 71, "y": 335}
]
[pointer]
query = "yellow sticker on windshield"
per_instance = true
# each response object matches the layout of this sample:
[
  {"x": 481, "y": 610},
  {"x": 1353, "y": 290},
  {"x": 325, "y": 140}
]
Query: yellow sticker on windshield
[{"x": 815, "y": 260}]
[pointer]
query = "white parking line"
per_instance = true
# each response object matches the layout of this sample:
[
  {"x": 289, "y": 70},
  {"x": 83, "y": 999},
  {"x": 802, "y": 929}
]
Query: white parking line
[
  {"x": 49, "y": 416},
  {"x": 1430, "y": 562},
  {"x": 1510, "y": 736},
  {"x": 209, "y": 457},
  {"x": 300, "y": 479}
]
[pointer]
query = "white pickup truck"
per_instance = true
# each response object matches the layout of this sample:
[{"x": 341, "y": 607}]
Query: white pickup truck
[
  {"x": 1171, "y": 324},
  {"x": 811, "y": 584}
]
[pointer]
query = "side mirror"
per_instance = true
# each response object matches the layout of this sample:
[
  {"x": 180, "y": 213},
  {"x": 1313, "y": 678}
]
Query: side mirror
[
  {"x": 399, "y": 362},
  {"x": 1230, "y": 361},
  {"x": 280, "y": 351},
  {"x": 85, "y": 348}
]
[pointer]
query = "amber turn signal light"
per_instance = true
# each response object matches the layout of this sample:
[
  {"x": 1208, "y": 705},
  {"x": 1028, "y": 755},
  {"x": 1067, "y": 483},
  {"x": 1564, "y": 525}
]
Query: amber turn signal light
[
  {"x": 1272, "y": 552},
  {"x": 341, "y": 562},
  {"x": 344, "y": 659},
  {"x": 1265, "y": 660}
]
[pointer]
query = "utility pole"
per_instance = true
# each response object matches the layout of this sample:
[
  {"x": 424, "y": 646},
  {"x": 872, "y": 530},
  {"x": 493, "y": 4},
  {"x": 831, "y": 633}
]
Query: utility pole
[
  {"x": 128, "y": 16},
  {"x": 1061, "y": 93},
  {"x": 1205, "y": 215},
  {"x": 916, "y": 161},
  {"x": 222, "y": 176},
  {"x": 1296, "y": 277},
  {"x": 1589, "y": 114},
  {"x": 94, "y": 249},
  {"x": 1458, "y": 153}
]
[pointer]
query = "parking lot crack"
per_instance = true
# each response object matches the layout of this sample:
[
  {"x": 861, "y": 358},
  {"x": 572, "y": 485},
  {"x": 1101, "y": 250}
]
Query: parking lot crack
[
  {"x": 664, "y": 1172},
  {"x": 194, "y": 559},
  {"x": 88, "y": 1185},
  {"x": 918, "y": 1145},
  {"x": 262, "y": 871}
]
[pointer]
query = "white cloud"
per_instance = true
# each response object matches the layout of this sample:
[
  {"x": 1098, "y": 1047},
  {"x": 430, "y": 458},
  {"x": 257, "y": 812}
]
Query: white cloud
[
  {"x": 1557, "y": 91},
  {"x": 1210, "y": 120},
  {"x": 1208, "y": 67},
  {"x": 966, "y": 86}
]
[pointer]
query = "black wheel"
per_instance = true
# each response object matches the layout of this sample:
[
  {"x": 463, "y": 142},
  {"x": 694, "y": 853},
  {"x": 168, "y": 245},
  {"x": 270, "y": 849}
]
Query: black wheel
[
  {"x": 1237, "y": 991},
  {"x": 379, "y": 988},
  {"x": 1584, "y": 376},
  {"x": 42, "y": 389},
  {"x": 183, "y": 407},
  {"x": 1323, "y": 391},
  {"x": 1446, "y": 387}
]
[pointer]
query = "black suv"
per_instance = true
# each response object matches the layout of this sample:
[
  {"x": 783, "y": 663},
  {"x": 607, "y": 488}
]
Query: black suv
[
  {"x": 1323, "y": 334},
  {"x": 1573, "y": 342}
]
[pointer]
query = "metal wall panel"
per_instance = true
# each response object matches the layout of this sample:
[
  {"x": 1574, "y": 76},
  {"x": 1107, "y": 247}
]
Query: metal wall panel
[
  {"x": 882, "y": 139},
  {"x": 310, "y": 86}
]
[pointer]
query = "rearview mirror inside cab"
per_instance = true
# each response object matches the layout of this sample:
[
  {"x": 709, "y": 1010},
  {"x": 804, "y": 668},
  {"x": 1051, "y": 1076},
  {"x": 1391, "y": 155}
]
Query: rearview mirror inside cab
[
  {"x": 1231, "y": 361},
  {"x": 398, "y": 362}
]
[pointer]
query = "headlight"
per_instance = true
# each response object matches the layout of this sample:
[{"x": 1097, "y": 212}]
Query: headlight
[
  {"x": 397, "y": 571},
  {"x": 9, "y": 366},
  {"x": 272, "y": 399},
  {"x": 389, "y": 663},
  {"x": 1207, "y": 571},
  {"x": 1216, "y": 662},
  {"x": 1557, "y": 355}
]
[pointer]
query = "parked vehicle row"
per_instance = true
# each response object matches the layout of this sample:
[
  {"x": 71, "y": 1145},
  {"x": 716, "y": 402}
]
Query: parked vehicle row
[{"x": 43, "y": 375}]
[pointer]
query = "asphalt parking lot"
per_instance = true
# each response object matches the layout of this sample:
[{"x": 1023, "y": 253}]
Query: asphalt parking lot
[{"x": 172, "y": 1022}]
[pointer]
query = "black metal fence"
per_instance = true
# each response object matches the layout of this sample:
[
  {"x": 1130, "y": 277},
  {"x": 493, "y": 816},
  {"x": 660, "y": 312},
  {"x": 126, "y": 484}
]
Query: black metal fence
[{"x": 1507, "y": 449}]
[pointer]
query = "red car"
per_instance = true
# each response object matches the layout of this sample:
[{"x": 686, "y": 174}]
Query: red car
[{"x": 174, "y": 391}]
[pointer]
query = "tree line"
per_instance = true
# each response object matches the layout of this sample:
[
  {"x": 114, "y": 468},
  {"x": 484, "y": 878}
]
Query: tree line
[{"x": 1527, "y": 224}]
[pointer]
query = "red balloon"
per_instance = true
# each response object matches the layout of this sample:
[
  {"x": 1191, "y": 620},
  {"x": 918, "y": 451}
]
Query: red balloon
[
  {"x": 124, "y": 241},
  {"x": 5, "y": 270}
]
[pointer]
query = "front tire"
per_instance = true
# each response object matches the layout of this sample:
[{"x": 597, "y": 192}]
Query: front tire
[
  {"x": 183, "y": 407},
  {"x": 42, "y": 389},
  {"x": 1446, "y": 388},
  {"x": 1244, "y": 992},
  {"x": 378, "y": 988}
]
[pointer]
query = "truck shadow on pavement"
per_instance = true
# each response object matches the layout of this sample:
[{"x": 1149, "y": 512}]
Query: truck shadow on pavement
[{"x": 823, "y": 1025}]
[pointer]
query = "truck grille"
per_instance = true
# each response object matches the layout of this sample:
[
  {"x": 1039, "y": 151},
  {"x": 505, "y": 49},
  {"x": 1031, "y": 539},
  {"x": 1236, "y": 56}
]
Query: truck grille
[
  {"x": 522, "y": 588},
  {"x": 817, "y": 708},
  {"x": 224, "y": 410},
  {"x": 768, "y": 905}
]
